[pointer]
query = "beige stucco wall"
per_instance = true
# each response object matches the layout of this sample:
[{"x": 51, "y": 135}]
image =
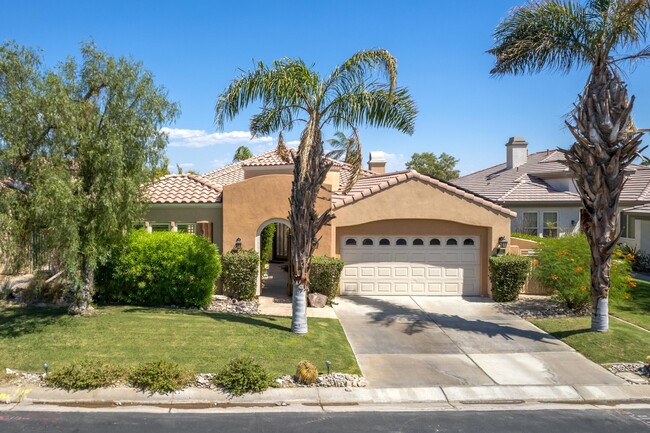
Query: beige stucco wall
[
  {"x": 418, "y": 208},
  {"x": 188, "y": 213},
  {"x": 250, "y": 204}
]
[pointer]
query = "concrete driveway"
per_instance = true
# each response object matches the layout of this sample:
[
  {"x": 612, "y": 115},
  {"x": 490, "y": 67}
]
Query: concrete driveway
[{"x": 426, "y": 341}]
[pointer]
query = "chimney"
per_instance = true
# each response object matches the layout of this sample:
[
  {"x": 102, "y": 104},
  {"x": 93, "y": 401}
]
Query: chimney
[
  {"x": 516, "y": 152},
  {"x": 377, "y": 162}
]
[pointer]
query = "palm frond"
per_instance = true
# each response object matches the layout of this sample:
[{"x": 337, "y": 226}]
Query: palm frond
[
  {"x": 273, "y": 118},
  {"x": 374, "y": 106},
  {"x": 282, "y": 150},
  {"x": 362, "y": 64},
  {"x": 551, "y": 34}
]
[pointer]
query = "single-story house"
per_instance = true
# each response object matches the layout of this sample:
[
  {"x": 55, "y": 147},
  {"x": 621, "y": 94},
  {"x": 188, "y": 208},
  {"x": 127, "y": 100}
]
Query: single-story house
[
  {"x": 540, "y": 189},
  {"x": 399, "y": 233}
]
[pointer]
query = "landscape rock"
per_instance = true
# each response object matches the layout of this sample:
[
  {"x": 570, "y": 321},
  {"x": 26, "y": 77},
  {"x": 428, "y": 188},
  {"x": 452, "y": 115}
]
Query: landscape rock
[
  {"x": 334, "y": 380},
  {"x": 539, "y": 307},
  {"x": 224, "y": 304},
  {"x": 317, "y": 300}
]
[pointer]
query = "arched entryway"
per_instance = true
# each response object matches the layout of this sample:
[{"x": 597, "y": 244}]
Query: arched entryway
[{"x": 274, "y": 280}]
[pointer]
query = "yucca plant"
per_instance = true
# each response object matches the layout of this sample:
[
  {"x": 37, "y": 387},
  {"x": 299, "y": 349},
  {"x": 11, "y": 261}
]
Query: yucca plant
[{"x": 563, "y": 35}]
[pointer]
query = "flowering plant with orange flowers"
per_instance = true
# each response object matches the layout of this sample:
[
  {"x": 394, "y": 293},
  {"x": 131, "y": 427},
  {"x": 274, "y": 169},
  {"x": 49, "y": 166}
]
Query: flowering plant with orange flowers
[{"x": 563, "y": 265}]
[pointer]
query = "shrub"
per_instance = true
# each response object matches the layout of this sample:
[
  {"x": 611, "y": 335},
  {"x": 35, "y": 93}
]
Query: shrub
[
  {"x": 84, "y": 374},
  {"x": 564, "y": 266},
  {"x": 325, "y": 275},
  {"x": 242, "y": 375},
  {"x": 161, "y": 268},
  {"x": 240, "y": 274},
  {"x": 306, "y": 373},
  {"x": 526, "y": 236},
  {"x": 508, "y": 274},
  {"x": 641, "y": 260},
  {"x": 266, "y": 245},
  {"x": 159, "y": 376}
]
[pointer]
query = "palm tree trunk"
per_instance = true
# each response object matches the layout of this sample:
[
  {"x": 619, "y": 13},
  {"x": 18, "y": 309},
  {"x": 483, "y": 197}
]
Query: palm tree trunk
[
  {"x": 310, "y": 169},
  {"x": 606, "y": 144}
]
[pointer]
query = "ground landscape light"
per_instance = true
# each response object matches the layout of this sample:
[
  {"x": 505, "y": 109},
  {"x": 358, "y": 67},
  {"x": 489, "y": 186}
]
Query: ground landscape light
[
  {"x": 328, "y": 363},
  {"x": 45, "y": 367}
]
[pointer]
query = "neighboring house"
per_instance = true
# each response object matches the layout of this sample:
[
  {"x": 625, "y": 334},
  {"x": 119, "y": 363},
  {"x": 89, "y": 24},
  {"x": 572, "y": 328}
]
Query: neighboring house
[
  {"x": 398, "y": 233},
  {"x": 541, "y": 190}
]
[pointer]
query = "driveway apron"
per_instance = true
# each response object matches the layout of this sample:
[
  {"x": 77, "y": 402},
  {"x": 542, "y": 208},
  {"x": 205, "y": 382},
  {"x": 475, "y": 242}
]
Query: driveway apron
[{"x": 433, "y": 341}]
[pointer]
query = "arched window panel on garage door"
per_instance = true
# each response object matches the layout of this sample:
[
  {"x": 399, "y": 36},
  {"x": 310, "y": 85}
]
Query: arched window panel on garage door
[
  {"x": 417, "y": 242},
  {"x": 368, "y": 242},
  {"x": 468, "y": 242},
  {"x": 384, "y": 242},
  {"x": 435, "y": 242},
  {"x": 452, "y": 242},
  {"x": 351, "y": 242},
  {"x": 401, "y": 242}
]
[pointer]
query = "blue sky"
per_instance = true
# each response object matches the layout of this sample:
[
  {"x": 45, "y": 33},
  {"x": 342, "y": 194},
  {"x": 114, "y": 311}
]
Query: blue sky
[{"x": 195, "y": 49}]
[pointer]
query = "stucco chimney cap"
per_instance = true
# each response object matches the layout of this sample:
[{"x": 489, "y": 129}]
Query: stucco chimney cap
[
  {"x": 517, "y": 141},
  {"x": 377, "y": 156}
]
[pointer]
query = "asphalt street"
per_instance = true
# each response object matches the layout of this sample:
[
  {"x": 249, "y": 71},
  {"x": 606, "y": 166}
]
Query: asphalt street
[{"x": 542, "y": 421}]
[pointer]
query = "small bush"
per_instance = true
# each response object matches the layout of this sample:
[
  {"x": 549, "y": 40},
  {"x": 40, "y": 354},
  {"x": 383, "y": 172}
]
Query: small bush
[
  {"x": 240, "y": 274},
  {"x": 640, "y": 261},
  {"x": 527, "y": 237},
  {"x": 266, "y": 245},
  {"x": 306, "y": 373},
  {"x": 243, "y": 375},
  {"x": 84, "y": 374},
  {"x": 563, "y": 264},
  {"x": 161, "y": 268},
  {"x": 159, "y": 376},
  {"x": 508, "y": 275},
  {"x": 325, "y": 276}
]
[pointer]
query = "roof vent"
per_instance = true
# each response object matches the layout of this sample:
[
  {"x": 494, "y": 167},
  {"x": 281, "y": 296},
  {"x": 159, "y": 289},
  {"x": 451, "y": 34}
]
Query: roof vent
[{"x": 377, "y": 162}]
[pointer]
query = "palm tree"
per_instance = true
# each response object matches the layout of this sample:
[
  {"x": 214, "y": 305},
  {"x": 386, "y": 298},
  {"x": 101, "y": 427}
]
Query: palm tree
[
  {"x": 346, "y": 148},
  {"x": 353, "y": 94},
  {"x": 600, "y": 34},
  {"x": 242, "y": 153}
]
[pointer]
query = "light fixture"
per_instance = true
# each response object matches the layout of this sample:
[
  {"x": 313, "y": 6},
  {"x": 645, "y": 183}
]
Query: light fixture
[
  {"x": 503, "y": 242},
  {"x": 238, "y": 244},
  {"x": 328, "y": 363},
  {"x": 45, "y": 367}
]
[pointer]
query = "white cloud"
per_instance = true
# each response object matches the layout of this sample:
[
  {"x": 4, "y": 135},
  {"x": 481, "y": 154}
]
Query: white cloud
[
  {"x": 395, "y": 162},
  {"x": 198, "y": 138},
  {"x": 186, "y": 164},
  {"x": 292, "y": 143},
  {"x": 218, "y": 163}
]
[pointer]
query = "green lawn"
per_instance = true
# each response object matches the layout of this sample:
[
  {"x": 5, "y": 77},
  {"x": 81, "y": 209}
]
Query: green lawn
[
  {"x": 637, "y": 309},
  {"x": 200, "y": 341},
  {"x": 622, "y": 343}
]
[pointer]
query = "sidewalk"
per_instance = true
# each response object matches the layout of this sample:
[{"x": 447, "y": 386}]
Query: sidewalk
[{"x": 450, "y": 395}]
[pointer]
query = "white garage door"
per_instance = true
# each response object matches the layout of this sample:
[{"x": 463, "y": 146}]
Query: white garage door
[{"x": 411, "y": 265}]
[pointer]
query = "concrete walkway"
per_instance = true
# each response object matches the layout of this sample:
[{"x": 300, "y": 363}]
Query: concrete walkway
[{"x": 428, "y": 342}]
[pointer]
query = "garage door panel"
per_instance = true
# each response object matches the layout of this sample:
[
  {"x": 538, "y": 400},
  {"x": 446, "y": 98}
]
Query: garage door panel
[{"x": 411, "y": 269}]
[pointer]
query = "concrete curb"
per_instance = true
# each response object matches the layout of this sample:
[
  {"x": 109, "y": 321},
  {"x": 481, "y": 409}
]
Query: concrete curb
[{"x": 332, "y": 396}]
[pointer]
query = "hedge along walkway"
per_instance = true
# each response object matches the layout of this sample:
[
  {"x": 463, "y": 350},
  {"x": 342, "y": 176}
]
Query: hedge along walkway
[{"x": 200, "y": 341}]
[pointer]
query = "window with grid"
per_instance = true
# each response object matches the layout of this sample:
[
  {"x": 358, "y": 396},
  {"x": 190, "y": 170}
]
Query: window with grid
[
  {"x": 160, "y": 227},
  {"x": 186, "y": 228},
  {"x": 627, "y": 226},
  {"x": 530, "y": 223},
  {"x": 550, "y": 224}
]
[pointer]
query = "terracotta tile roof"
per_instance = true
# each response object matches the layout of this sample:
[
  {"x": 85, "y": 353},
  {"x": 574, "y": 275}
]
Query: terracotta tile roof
[
  {"x": 234, "y": 173},
  {"x": 525, "y": 184},
  {"x": 183, "y": 188},
  {"x": 370, "y": 185}
]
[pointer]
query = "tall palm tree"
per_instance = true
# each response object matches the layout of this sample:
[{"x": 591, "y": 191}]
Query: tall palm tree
[
  {"x": 291, "y": 92},
  {"x": 600, "y": 34},
  {"x": 346, "y": 148}
]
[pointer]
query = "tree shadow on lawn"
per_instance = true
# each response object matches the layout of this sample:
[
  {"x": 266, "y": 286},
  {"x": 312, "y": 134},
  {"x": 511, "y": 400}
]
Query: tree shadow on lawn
[
  {"x": 418, "y": 321},
  {"x": 252, "y": 320},
  {"x": 19, "y": 321}
]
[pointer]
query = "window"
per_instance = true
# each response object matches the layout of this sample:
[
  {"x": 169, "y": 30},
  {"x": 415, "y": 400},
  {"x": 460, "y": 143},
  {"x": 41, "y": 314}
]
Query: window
[
  {"x": 434, "y": 242},
  {"x": 138, "y": 226},
  {"x": 418, "y": 242},
  {"x": 627, "y": 226},
  {"x": 550, "y": 224},
  {"x": 160, "y": 227},
  {"x": 186, "y": 228},
  {"x": 401, "y": 242},
  {"x": 530, "y": 223},
  {"x": 384, "y": 242},
  {"x": 452, "y": 241},
  {"x": 468, "y": 242},
  {"x": 368, "y": 242},
  {"x": 351, "y": 242}
]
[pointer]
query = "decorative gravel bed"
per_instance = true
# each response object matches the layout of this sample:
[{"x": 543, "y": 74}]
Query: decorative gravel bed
[
  {"x": 224, "y": 304},
  {"x": 637, "y": 373},
  {"x": 539, "y": 307},
  {"x": 334, "y": 380}
]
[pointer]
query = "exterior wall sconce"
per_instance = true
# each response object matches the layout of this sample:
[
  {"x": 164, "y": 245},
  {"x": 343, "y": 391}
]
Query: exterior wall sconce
[
  {"x": 503, "y": 244},
  {"x": 238, "y": 244}
]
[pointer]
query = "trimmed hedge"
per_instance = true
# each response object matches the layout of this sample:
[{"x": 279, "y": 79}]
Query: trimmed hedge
[
  {"x": 240, "y": 274},
  {"x": 266, "y": 245},
  {"x": 508, "y": 274},
  {"x": 325, "y": 275},
  {"x": 161, "y": 268}
]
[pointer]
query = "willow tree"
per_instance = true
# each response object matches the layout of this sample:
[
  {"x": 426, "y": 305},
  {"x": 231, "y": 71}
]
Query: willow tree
[
  {"x": 360, "y": 92},
  {"x": 599, "y": 35},
  {"x": 76, "y": 144}
]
